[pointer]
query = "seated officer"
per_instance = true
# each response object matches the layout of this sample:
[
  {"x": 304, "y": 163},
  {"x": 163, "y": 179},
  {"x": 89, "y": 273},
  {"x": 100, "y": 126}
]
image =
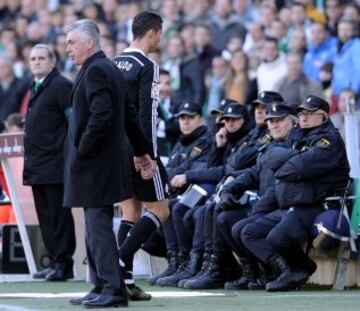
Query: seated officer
[
  {"x": 305, "y": 175},
  {"x": 227, "y": 141},
  {"x": 280, "y": 120},
  {"x": 231, "y": 211},
  {"x": 190, "y": 152},
  {"x": 242, "y": 155}
]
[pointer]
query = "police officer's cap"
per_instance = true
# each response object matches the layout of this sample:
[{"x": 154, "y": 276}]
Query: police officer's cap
[
  {"x": 313, "y": 103},
  {"x": 267, "y": 97},
  {"x": 235, "y": 110},
  {"x": 222, "y": 106},
  {"x": 189, "y": 109},
  {"x": 278, "y": 111}
]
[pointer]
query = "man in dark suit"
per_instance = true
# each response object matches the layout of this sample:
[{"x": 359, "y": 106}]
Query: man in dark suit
[
  {"x": 45, "y": 132},
  {"x": 12, "y": 89},
  {"x": 97, "y": 166}
]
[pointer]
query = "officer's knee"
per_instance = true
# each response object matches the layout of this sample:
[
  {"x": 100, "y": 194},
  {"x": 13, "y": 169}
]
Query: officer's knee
[
  {"x": 278, "y": 239},
  {"x": 179, "y": 210},
  {"x": 236, "y": 232},
  {"x": 248, "y": 232}
]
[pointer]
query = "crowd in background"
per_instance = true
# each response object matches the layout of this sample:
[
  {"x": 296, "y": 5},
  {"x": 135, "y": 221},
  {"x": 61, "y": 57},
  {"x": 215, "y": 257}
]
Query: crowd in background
[{"x": 213, "y": 49}]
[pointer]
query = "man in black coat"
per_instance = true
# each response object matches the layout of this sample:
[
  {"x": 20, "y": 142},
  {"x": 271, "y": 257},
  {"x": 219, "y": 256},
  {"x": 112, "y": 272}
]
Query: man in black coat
[
  {"x": 45, "y": 132},
  {"x": 12, "y": 89},
  {"x": 97, "y": 166}
]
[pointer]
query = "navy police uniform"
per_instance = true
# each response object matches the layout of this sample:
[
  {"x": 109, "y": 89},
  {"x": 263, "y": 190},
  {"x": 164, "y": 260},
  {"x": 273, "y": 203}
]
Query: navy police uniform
[{"x": 305, "y": 175}]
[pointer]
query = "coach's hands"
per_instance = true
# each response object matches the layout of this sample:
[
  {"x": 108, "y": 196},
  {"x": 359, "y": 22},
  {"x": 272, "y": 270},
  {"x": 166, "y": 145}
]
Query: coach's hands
[{"x": 146, "y": 166}]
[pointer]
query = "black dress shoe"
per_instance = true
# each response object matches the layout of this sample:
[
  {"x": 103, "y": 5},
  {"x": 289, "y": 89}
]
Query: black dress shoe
[
  {"x": 42, "y": 274},
  {"x": 61, "y": 273},
  {"x": 106, "y": 301},
  {"x": 79, "y": 301}
]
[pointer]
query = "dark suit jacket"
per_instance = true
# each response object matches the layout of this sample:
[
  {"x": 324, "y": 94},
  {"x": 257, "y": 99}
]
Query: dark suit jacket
[
  {"x": 97, "y": 162},
  {"x": 10, "y": 99},
  {"x": 45, "y": 131}
]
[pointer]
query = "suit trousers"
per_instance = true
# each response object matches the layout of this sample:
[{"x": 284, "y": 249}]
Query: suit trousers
[
  {"x": 56, "y": 223},
  {"x": 102, "y": 252}
]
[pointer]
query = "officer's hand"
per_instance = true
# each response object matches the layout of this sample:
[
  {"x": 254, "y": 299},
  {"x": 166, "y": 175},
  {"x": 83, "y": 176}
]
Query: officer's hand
[
  {"x": 221, "y": 137},
  {"x": 228, "y": 201},
  {"x": 228, "y": 179},
  {"x": 178, "y": 181},
  {"x": 146, "y": 166}
]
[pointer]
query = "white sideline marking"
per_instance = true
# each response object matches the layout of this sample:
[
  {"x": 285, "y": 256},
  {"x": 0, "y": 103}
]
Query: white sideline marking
[
  {"x": 72, "y": 295},
  {"x": 15, "y": 308}
]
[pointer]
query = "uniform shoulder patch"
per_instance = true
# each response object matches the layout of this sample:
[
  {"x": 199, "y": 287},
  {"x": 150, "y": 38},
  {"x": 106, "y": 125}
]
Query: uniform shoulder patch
[
  {"x": 195, "y": 151},
  {"x": 265, "y": 139},
  {"x": 323, "y": 142}
]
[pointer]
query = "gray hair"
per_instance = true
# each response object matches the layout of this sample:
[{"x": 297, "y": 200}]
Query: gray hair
[
  {"x": 50, "y": 52},
  {"x": 88, "y": 28}
]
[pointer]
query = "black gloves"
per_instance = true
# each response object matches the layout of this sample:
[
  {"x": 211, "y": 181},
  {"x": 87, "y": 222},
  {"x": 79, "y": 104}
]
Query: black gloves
[{"x": 228, "y": 201}]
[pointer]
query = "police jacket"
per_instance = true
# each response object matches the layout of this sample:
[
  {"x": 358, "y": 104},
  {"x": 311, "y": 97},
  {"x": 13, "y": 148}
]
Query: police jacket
[
  {"x": 247, "y": 153},
  {"x": 261, "y": 176},
  {"x": 313, "y": 169},
  {"x": 190, "y": 152},
  {"x": 45, "y": 131},
  {"x": 221, "y": 156}
]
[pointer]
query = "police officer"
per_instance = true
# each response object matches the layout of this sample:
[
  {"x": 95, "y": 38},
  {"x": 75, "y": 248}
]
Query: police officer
[
  {"x": 280, "y": 119},
  {"x": 305, "y": 175},
  {"x": 227, "y": 142},
  {"x": 222, "y": 243},
  {"x": 190, "y": 152}
]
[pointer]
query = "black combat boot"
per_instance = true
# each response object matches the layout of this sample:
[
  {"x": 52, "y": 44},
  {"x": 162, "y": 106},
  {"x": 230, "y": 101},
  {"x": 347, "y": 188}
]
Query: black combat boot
[
  {"x": 266, "y": 275},
  {"x": 204, "y": 266},
  {"x": 214, "y": 277},
  {"x": 173, "y": 263},
  {"x": 186, "y": 271},
  {"x": 289, "y": 279},
  {"x": 249, "y": 274}
]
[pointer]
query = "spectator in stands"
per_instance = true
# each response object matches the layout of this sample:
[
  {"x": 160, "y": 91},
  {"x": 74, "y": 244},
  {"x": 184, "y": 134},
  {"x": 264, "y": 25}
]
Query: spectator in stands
[
  {"x": 351, "y": 11},
  {"x": 278, "y": 31},
  {"x": 272, "y": 68},
  {"x": 346, "y": 72},
  {"x": 168, "y": 125},
  {"x": 12, "y": 89},
  {"x": 254, "y": 38},
  {"x": 333, "y": 10},
  {"x": 267, "y": 14},
  {"x": 295, "y": 86},
  {"x": 325, "y": 76},
  {"x": 186, "y": 74},
  {"x": 238, "y": 83},
  {"x": 186, "y": 32},
  {"x": 216, "y": 85},
  {"x": 170, "y": 12},
  {"x": 15, "y": 123},
  {"x": 246, "y": 12},
  {"x": 224, "y": 23},
  {"x": 321, "y": 50},
  {"x": 204, "y": 50},
  {"x": 346, "y": 97},
  {"x": 297, "y": 43},
  {"x": 196, "y": 11},
  {"x": 299, "y": 19}
]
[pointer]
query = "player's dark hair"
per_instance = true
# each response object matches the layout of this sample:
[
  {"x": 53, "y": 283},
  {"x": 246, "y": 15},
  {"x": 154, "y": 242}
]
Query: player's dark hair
[{"x": 145, "y": 21}]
